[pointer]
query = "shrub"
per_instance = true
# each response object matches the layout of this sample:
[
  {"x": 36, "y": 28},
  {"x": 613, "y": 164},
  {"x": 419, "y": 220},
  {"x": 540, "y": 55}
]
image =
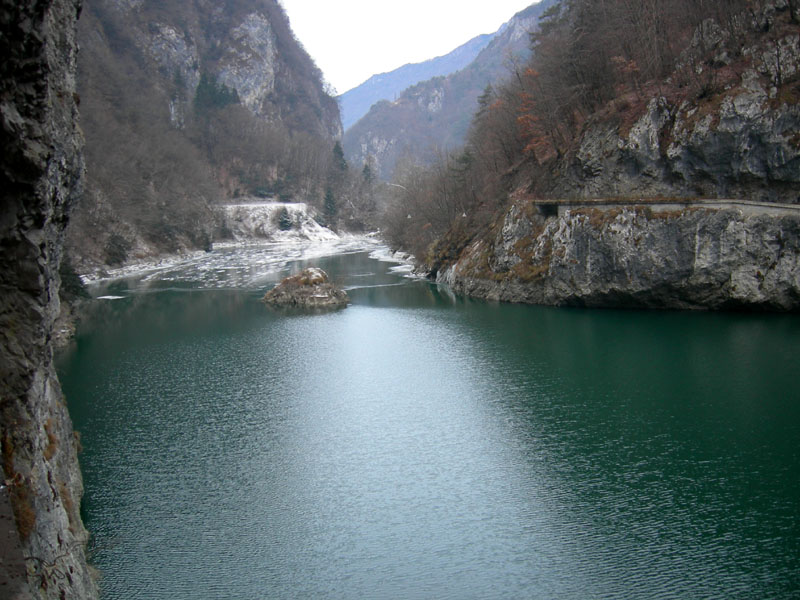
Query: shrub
[{"x": 116, "y": 251}]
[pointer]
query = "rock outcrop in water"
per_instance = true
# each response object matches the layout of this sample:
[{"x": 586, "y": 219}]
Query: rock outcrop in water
[
  {"x": 636, "y": 256},
  {"x": 42, "y": 547},
  {"x": 311, "y": 288}
]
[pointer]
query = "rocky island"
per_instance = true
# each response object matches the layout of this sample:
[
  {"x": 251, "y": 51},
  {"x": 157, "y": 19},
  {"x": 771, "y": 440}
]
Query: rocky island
[{"x": 311, "y": 288}]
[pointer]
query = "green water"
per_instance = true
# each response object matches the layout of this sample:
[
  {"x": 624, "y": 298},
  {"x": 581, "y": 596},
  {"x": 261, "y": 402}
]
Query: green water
[{"x": 418, "y": 445}]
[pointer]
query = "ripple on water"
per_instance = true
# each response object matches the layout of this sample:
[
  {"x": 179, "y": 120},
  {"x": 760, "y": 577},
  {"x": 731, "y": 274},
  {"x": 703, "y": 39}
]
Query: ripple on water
[{"x": 421, "y": 446}]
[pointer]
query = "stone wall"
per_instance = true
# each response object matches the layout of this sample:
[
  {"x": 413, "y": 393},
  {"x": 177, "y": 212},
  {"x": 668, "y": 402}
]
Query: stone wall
[{"x": 40, "y": 172}]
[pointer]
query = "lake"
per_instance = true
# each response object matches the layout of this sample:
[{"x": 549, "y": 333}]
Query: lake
[{"x": 423, "y": 445}]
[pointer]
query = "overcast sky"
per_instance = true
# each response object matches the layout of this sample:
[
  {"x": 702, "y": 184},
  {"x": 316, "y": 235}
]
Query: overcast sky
[{"x": 350, "y": 40}]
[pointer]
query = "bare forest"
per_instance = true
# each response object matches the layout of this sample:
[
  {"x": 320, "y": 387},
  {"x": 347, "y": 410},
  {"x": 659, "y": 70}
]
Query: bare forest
[
  {"x": 166, "y": 141},
  {"x": 592, "y": 60}
]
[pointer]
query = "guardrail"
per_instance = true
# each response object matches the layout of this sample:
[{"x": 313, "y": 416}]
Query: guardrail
[{"x": 553, "y": 207}]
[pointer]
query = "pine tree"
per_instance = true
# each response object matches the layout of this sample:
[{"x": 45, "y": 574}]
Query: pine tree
[
  {"x": 339, "y": 161},
  {"x": 330, "y": 205},
  {"x": 284, "y": 220}
]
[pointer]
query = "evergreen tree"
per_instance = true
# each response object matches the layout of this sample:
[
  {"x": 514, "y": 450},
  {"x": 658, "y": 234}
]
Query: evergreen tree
[
  {"x": 213, "y": 95},
  {"x": 330, "y": 205},
  {"x": 366, "y": 174},
  {"x": 284, "y": 220},
  {"x": 339, "y": 161}
]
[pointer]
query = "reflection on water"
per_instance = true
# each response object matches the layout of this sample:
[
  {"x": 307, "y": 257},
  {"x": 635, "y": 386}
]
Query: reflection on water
[{"x": 421, "y": 445}]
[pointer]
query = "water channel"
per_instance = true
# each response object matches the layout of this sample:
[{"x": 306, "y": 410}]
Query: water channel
[{"x": 422, "y": 445}]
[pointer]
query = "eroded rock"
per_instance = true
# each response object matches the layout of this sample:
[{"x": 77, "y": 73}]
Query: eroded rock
[
  {"x": 42, "y": 542},
  {"x": 311, "y": 288},
  {"x": 696, "y": 258}
]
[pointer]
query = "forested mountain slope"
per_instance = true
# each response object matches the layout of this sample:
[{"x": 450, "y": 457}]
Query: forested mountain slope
[
  {"x": 659, "y": 101},
  {"x": 435, "y": 114},
  {"x": 356, "y": 102},
  {"x": 184, "y": 104}
]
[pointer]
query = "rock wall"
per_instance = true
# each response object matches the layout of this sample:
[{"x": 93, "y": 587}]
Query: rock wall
[
  {"x": 636, "y": 257},
  {"x": 40, "y": 168},
  {"x": 246, "y": 46},
  {"x": 740, "y": 142},
  {"x": 723, "y": 125}
]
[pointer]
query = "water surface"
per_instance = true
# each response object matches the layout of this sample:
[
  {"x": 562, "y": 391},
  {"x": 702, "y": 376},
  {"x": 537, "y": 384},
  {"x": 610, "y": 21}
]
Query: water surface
[{"x": 419, "y": 445}]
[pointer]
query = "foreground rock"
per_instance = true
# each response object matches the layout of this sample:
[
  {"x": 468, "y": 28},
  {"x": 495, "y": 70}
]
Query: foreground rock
[
  {"x": 42, "y": 538},
  {"x": 630, "y": 257},
  {"x": 310, "y": 288}
]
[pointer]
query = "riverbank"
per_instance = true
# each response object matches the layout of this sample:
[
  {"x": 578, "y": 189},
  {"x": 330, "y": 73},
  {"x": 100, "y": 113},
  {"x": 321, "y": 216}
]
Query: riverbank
[
  {"x": 633, "y": 257},
  {"x": 245, "y": 264}
]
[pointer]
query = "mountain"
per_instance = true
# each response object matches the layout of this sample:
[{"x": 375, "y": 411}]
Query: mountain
[
  {"x": 645, "y": 159},
  {"x": 185, "y": 104},
  {"x": 436, "y": 113},
  {"x": 356, "y": 102}
]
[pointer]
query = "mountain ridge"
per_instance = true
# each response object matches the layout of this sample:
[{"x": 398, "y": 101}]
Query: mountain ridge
[
  {"x": 356, "y": 102},
  {"x": 435, "y": 114}
]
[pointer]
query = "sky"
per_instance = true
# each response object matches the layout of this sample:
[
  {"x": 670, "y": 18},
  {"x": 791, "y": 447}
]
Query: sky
[{"x": 351, "y": 40}]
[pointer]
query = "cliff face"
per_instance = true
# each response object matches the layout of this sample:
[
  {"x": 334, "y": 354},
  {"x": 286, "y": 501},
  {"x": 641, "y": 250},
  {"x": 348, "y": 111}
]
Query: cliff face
[
  {"x": 740, "y": 142},
  {"x": 747, "y": 148},
  {"x": 723, "y": 124},
  {"x": 184, "y": 104},
  {"x": 745, "y": 257},
  {"x": 244, "y": 45},
  {"x": 436, "y": 114},
  {"x": 40, "y": 168}
]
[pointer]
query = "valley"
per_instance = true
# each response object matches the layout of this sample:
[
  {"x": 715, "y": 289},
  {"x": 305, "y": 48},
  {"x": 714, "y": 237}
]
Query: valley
[{"x": 467, "y": 423}]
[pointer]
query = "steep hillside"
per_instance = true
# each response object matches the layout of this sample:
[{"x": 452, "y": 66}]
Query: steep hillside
[
  {"x": 435, "y": 114},
  {"x": 647, "y": 111},
  {"x": 356, "y": 103},
  {"x": 185, "y": 104}
]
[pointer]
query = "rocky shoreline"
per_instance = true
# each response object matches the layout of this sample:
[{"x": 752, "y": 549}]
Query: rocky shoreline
[{"x": 635, "y": 257}]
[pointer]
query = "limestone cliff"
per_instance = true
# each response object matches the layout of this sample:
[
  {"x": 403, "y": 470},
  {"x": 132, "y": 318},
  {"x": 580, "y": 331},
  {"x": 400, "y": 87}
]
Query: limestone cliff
[
  {"x": 185, "y": 104},
  {"x": 246, "y": 46},
  {"x": 647, "y": 256},
  {"x": 723, "y": 124},
  {"x": 43, "y": 549},
  {"x": 746, "y": 146}
]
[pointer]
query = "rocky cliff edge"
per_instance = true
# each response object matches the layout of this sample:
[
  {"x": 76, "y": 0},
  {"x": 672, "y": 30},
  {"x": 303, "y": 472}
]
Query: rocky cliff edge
[
  {"x": 637, "y": 257},
  {"x": 43, "y": 539}
]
